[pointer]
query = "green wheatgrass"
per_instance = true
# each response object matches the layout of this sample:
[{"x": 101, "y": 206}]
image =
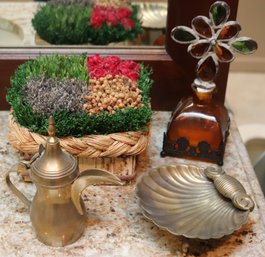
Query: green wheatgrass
[
  {"x": 69, "y": 24},
  {"x": 74, "y": 123}
]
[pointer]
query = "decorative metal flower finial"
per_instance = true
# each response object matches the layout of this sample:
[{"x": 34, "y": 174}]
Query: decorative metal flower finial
[{"x": 213, "y": 40}]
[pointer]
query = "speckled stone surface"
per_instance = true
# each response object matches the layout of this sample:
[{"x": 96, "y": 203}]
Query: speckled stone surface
[{"x": 115, "y": 226}]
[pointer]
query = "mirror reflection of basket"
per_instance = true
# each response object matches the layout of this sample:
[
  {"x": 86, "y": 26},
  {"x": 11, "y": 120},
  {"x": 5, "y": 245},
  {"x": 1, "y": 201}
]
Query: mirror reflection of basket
[
  {"x": 111, "y": 128},
  {"x": 67, "y": 22}
]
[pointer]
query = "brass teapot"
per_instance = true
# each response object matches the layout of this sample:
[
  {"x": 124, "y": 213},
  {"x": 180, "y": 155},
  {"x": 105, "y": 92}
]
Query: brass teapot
[{"x": 57, "y": 210}]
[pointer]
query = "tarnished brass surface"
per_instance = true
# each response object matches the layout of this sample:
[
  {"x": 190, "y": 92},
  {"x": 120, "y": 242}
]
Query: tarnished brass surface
[
  {"x": 182, "y": 200},
  {"x": 57, "y": 210},
  {"x": 90, "y": 177},
  {"x": 230, "y": 188},
  {"x": 20, "y": 195},
  {"x": 54, "y": 167}
]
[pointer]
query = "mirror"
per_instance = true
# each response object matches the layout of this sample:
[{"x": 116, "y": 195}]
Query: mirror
[{"x": 16, "y": 28}]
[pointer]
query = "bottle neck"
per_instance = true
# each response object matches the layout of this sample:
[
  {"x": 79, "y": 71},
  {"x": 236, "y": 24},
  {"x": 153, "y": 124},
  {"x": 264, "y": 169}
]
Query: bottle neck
[
  {"x": 201, "y": 94},
  {"x": 202, "y": 97}
]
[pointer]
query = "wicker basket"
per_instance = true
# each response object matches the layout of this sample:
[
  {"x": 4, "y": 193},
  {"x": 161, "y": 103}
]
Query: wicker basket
[
  {"x": 115, "y": 152},
  {"x": 40, "y": 41}
]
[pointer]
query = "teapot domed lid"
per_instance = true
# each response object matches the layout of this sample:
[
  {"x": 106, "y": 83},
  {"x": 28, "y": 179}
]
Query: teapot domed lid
[{"x": 54, "y": 167}]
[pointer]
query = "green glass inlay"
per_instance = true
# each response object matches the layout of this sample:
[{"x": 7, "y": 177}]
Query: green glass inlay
[
  {"x": 245, "y": 46},
  {"x": 183, "y": 36},
  {"x": 219, "y": 14}
]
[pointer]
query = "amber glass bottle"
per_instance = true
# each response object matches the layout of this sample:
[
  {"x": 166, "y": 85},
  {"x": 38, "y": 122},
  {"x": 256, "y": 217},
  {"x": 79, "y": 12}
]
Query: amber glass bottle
[{"x": 198, "y": 128}]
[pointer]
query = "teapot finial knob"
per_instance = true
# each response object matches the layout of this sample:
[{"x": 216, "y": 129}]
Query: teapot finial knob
[{"x": 51, "y": 127}]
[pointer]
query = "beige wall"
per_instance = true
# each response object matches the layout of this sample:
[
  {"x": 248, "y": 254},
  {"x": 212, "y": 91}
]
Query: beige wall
[{"x": 251, "y": 16}]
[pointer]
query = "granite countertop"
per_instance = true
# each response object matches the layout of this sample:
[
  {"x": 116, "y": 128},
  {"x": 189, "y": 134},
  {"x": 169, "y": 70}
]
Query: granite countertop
[{"x": 115, "y": 225}]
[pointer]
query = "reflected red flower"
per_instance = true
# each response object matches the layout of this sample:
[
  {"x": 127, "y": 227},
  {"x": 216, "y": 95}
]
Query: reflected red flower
[
  {"x": 127, "y": 23},
  {"x": 111, "y": 16},
  {"x": 112, "y": 19},
  {"x": 123, "y": 13}
]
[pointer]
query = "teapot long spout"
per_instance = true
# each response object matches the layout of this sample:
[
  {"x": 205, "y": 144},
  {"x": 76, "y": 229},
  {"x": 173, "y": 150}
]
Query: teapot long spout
[{"x": 90, "y": 177}]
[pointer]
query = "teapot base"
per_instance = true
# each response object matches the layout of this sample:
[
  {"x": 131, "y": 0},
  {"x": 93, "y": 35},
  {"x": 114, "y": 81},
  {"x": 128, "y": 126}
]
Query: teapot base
[
  {"x": 55, "y": 242},
  {"x": 63, "y": 237},
  {"x": 56, "y": 224}
]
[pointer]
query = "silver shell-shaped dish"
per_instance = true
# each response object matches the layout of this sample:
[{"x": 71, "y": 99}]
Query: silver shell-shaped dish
[
  {"x": 153, "y": 15},
  {"x": 182, "y": 200}
]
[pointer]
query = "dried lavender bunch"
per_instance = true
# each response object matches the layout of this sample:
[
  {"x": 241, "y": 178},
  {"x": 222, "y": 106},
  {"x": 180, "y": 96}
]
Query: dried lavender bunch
[
  {"x": 71, "y": 2},
  {"x": 46, "y": 95}
]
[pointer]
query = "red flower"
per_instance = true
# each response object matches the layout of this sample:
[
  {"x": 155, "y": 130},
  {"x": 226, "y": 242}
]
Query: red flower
[
  {"x": 113, "y": 59},
  {"x": 97, "y": 18},
  {"x": 131, "y": 65},
  {"x": 129, "y": 69},
  {"x": 123, "y": 13},
  {"x": 111, "y": 16},
  {"x": 113, "y": 65},
  {"x": 112, "y": 19},
  {"x": 94, "y": 60},
  {"x": 127, "y": 23},
  {"x": 108, "y": 66},
  {"x": 131, "y": 74},
  {"x": 97, "y": 73}
]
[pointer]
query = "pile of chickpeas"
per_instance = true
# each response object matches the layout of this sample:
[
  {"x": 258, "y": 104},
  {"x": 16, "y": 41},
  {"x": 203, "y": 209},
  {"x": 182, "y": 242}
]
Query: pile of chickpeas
[{"x": 112, "y": 93}]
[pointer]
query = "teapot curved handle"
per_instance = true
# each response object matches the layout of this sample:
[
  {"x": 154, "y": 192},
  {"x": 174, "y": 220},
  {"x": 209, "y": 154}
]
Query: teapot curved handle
[
  {"x": 90, "y": 177},
  {"x": 13, "y": 188}
]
